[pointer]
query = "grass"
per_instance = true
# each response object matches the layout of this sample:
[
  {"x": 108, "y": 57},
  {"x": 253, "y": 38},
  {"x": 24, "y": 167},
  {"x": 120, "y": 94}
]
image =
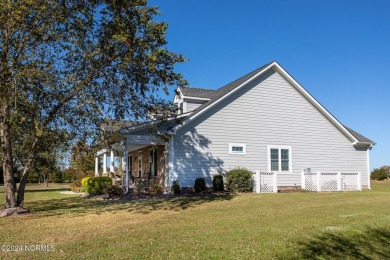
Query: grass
[{"x": 345, "y": 225}]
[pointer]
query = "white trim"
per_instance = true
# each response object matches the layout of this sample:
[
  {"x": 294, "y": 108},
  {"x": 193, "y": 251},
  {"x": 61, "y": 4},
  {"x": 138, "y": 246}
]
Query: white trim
[
  {"x": 195, "y": 98},
  {"x": 104, "y": 164},
  {"x": 184, "y": 107},
  {"x": 279, "y": 147},
  {"x": 103, "y": 151},
  {"x": 221, "y": 98},
  {"x": 179, "y": 96},
  {"x": 314, "y": 102},
  {"x": 237, "y": 145},
  {"x": 112, "y": 169},
  {"x": 368, "y": 169},
  {"x": 295, "y": 84},
  {"x": 171, "y": 170},
  {"x": 127, "y": 163},
  {"x": 96, "y": 166}
]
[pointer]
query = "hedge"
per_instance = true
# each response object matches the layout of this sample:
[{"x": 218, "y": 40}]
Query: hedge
[{"x": 95, "y": 185}]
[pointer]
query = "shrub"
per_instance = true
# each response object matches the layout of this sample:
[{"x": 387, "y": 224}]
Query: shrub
[
  {"x": 379, "y": 174},
  {"x": 200, "y": 184},
  {"x": 218, "y": 182},
  {"x": 239, "y": 180},
  {"x": 96, "y": 185},
  {"x": 140, "y": 187},
  {"x": 176, "y": 187},
  {"x": 85, "y": 180},
  {"x": 75, "y": 186},
  {"x": 113, "y": 190},
  {"x": 155, "y": 189}
]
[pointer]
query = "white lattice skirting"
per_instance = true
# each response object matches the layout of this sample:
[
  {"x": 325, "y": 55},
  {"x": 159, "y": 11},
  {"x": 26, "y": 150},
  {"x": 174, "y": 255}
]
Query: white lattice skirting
[
  {"x": 331, "y": 181},
  {"x": 264, "y": 182}
]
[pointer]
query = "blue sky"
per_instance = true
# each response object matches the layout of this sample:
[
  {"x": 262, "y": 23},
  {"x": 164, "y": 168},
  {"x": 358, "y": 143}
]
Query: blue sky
[{"x": 338, "y": 50}]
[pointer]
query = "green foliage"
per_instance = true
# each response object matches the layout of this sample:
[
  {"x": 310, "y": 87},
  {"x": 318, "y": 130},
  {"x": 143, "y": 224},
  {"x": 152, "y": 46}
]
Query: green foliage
[
  {"x": 140, "y": 186},
  {"x": 239, "y": 180},
  {"x": 176, "y": 189},
  {"x": 200, "y": 184},
  {"x": 64, "y": 61},
  {"x": 96, "y": 185},
  {"x": 85, "y": 180},
  {"x": 45, "y": 167},
  {"x": 381, "y": 173},
  {"x": 83, "y": 158},
  {"x": 155, "y": 189},
  {"x": 218, "y": 183},
  {"x": 113, "y": 190}
]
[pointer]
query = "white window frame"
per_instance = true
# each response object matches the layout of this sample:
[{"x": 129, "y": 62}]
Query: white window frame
[
  {"x": 231, "y": 145},
  {"x": 280, "y": 147}
]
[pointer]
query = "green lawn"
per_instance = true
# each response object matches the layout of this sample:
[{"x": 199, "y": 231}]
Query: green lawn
[{"x": 345, "y": 225}]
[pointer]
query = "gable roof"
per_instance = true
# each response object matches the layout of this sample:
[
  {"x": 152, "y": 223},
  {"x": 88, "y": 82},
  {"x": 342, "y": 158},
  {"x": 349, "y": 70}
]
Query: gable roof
[
  {"x": 361, "y": 138},
  {"x": 223, "y": 92},
  {"x": 198, "y": 92}
]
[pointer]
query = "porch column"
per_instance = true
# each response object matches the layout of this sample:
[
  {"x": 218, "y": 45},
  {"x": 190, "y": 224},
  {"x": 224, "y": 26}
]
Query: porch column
[
  {"x": 104, "y": 164},
  {"x": 96, "y": 166},
  {"x": 126, "y": 163},
  {"x": 123, "y": 163},
  {"x": 171, "y": 171},
  {"x": 112, "y": 161}
]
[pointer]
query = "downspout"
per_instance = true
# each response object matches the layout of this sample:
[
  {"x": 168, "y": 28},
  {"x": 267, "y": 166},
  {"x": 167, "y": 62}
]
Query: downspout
[{"x": 368, "y": 167}]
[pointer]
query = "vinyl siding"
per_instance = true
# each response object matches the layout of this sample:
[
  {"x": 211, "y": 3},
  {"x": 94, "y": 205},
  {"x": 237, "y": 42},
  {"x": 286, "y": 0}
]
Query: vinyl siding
[
  {"x": 191, "y": 105},
  {"x": 267, "y": 111}
]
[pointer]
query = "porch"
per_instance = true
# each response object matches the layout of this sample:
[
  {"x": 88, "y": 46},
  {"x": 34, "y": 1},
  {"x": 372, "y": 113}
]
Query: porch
[{"x": 133, "y": 160}]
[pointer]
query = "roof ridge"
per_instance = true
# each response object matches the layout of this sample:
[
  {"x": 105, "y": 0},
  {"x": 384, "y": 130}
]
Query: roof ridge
[{"x": 246, "y": 75}]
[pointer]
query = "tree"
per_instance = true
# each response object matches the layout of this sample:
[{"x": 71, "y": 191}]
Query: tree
[
  {"x": 44, "y": 167},
  {"x": 66, "y": 65},
  {"x": 383, "y": 173},
  {"x": 83, "y": 158}
]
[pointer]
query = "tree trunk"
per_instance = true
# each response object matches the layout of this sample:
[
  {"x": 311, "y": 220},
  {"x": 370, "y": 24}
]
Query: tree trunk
[
  {"x": 26, "y": 172},
  {"x": 6, "y": 148}
]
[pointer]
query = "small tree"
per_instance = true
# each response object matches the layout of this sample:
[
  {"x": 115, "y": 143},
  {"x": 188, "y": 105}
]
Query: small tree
[{"x": 380, "y": 174}]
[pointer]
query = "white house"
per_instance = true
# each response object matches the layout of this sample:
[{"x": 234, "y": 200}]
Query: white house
[{"x": 264, "y": 121}]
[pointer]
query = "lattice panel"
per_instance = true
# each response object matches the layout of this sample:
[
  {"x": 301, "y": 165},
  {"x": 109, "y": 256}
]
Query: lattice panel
[
  {"x": 254, "y": 183},
  {"x": 328, "y": 181},
  {"x": 310, "y": 181},
  {"x": 267, "y": 182},
  {"x": 349, "y": 181}
]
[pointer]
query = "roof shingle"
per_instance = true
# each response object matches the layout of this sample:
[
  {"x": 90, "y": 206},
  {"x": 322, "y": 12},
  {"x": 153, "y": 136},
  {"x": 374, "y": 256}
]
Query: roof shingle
[{"x": 198, "y": 92}]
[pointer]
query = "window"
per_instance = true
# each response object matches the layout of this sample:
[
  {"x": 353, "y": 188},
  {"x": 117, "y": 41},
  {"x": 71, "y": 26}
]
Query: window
[
  {"x": 153, "y": 162},
  {"x": 237, "y": 149},
  {"x": 139, "y": 164},
  {"x": 279, "y": 159}
]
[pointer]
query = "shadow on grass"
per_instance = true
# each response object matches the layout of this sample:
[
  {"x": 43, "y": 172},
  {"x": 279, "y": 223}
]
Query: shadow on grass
[
  {"x": 80, "y": 206},
  {"x": 372, "y": 243},
  {"x": 48, "y": 189}
]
